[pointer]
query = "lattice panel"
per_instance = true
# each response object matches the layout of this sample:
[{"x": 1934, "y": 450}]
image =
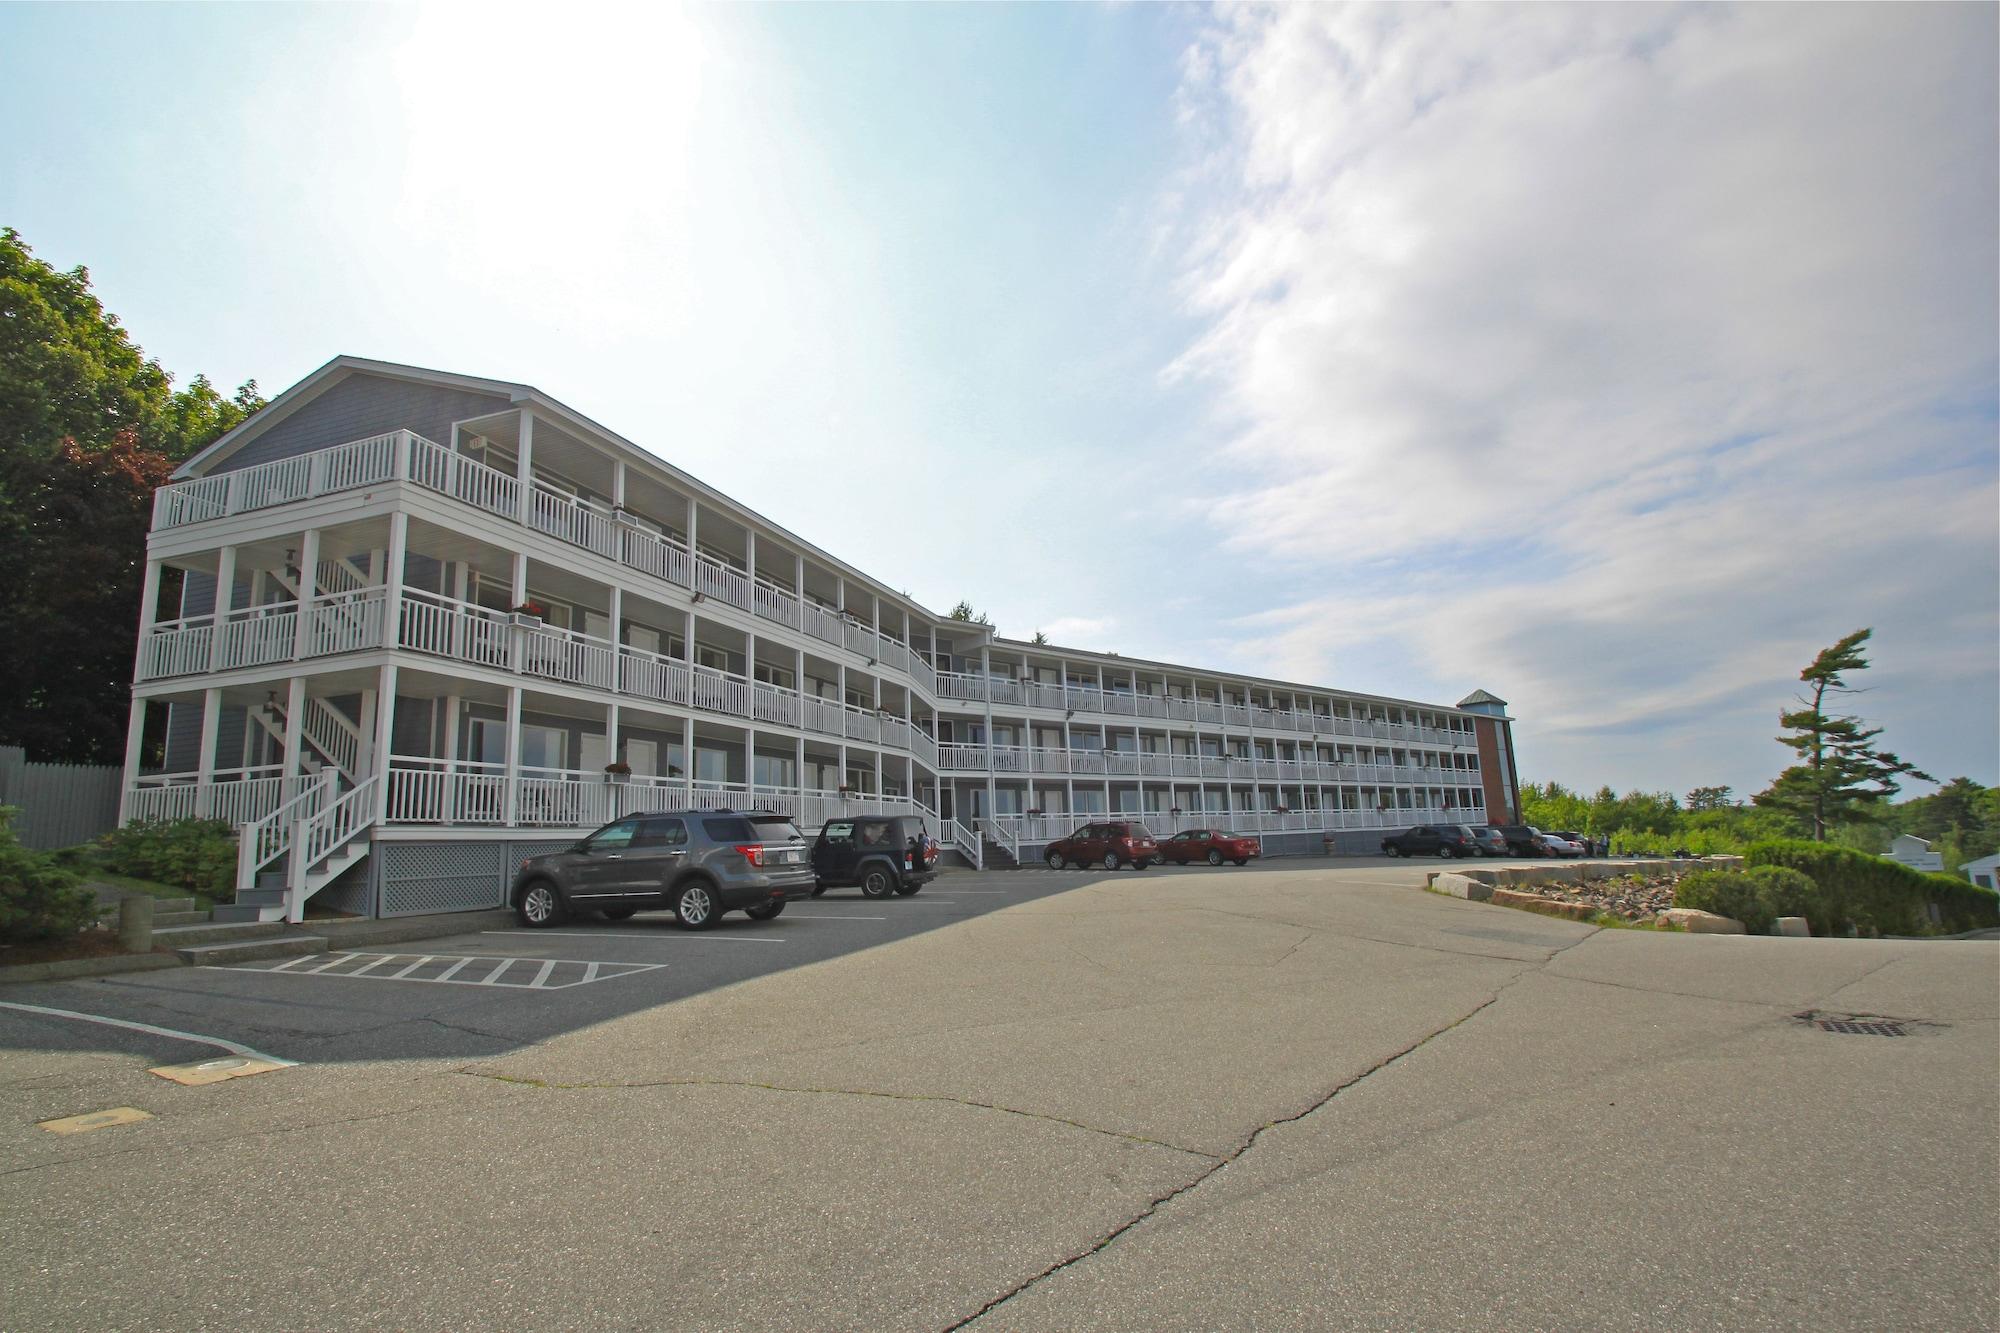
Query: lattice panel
[
  {"x": 442, "y": 876},
  {"x": 350, "y": 890}
]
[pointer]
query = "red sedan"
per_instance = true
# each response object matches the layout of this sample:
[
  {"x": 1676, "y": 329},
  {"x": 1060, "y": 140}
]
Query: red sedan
[{"x": 1211, "y": 845}]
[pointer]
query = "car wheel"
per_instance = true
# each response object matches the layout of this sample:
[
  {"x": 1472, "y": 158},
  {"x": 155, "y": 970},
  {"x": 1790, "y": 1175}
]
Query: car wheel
[
  {"x": 1214, "y": 857},
  {"x": 1055, "y": 860},
  {"x": 906, "y": 890},
  {"x": 618, "y": 913},
  {"x": 1111, "y": 860},
  {"x": 1141, "y": 863},
  {"x": 540, "y": 905},
  {"x": 818, "y": 888},
  {"x": 1243, "y": 863},
  {"x": 695, "y": 905},
  {"x": 1445, "y": 853},
  {"x": 766, "y": 912},
  {"x": 1389, "y": 849},
  {"x": 877, "y": 882}
]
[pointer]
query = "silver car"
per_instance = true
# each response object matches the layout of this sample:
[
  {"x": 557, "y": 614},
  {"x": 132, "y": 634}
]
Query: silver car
[{"x": 696, "y": 863}]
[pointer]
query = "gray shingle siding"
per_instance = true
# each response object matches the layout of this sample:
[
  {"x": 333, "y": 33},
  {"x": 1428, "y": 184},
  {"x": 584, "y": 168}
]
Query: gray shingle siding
[{"x": 358, "y": 407}]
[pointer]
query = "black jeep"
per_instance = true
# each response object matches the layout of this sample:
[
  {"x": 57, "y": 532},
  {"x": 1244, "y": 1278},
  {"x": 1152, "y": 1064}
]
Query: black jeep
[{"x": 884, "y": 854}]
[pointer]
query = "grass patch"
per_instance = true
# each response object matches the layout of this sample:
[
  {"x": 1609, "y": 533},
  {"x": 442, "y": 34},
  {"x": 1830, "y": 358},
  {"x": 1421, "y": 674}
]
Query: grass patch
[{"x": 1612, "y": 921}]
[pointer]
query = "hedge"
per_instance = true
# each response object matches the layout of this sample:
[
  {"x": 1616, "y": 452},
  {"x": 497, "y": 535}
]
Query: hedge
[
  {"x": 1873, "y": 893},
  {"x": 198, "y": 855},
  {"x": 1756, "y": 897}
]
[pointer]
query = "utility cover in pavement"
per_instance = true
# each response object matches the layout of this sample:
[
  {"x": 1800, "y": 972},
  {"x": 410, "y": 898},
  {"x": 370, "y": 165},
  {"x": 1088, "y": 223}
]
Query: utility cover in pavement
[
  {"x": 83, "y": 1124},
  {"x": 509, "y": 973},
  {"x": 203, "y": 1072}
]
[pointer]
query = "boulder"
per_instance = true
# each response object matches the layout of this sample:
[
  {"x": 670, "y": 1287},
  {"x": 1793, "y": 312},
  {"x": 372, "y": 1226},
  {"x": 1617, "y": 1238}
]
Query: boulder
[
  {"x": 1697, "y": 922},
  {"x": 1535, "y": 902},
  {"x": 1794, "y": 926},
  {"x": 1469, "y": 887},
  {"x": 1569, "y": 874}
]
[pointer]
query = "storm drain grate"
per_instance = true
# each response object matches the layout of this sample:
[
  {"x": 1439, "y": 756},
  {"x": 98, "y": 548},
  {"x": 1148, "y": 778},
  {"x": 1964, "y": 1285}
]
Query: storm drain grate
[{"x": 1855, "y": 1025}]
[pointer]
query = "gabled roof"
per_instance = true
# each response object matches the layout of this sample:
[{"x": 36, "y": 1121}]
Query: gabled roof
[
  {"x": 1480, "y": 697},
  {"x": 309, "y": 388}
]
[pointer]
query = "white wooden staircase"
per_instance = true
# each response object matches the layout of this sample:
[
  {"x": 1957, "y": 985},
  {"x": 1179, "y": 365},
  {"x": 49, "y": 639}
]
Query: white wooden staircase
[{"x": 301, "y": 847}]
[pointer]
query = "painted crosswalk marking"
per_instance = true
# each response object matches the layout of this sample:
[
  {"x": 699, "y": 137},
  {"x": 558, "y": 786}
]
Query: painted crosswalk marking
[{"x": 451, "y": 969}]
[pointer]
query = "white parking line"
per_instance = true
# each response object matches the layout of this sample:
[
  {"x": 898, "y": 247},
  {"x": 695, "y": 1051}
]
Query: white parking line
[
  {"x": 219, "y": 1043},
  {"x": 638, "y": 935},
  {"x": 501, "y": 974},
  {"x": 831, "y": 916}
]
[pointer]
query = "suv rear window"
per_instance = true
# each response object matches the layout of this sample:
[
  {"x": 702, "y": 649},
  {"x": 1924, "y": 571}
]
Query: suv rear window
[
  {"x": 777, "y": 828},
  {"x": 729, "y": 828}
]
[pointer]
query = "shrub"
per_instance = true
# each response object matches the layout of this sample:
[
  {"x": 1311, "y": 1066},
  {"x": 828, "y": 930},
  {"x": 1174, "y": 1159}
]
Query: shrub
[
  {"x": 1963, "y": 905},
  {"x": 1876, "y": 894},
  {"x": 39, "y": 900},
  {"x": 1700, "y": 841},
  {"x": 1793, "y": 893},
  {"x": 1730, "y": 893},
  {"x": 198, "y": 855}
]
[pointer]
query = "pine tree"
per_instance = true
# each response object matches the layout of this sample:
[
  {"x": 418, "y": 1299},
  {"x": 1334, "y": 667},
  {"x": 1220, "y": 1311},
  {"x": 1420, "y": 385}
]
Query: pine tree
[{"x": 1843, "y": 773}]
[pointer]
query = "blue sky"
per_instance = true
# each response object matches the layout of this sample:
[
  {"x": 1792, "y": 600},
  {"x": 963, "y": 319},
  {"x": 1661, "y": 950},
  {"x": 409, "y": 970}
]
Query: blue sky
[{"x": 1613, "y": 359}]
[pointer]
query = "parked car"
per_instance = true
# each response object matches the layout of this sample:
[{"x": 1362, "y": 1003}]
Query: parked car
[
  {"x": 1432, "y": 840},
  {"x": 1555, "y": 844},
  {"x": 697, "y": 863},
  {"x": 1491, "y": 841},
  {"x": 1211, "y": 845},
  {"x": 1587, "y": 846},
  {"x": 884, "y": 854},
  {"x": 1522, "y": 839},
  {"x": 1109, "y": 845}
]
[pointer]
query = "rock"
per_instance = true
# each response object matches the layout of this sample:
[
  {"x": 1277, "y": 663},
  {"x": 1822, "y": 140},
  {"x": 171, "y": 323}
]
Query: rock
[
  {"x": 1697, "y": 922},
  {"x": 1469, "y": 887},
  {"x": 1794, "y": 926},
  {"x": 1535, "y": 902}
]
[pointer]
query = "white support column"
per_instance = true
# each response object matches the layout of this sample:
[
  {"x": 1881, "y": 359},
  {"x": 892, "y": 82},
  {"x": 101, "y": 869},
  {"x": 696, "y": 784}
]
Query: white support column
[
  {"x": 511, "y": 807},
  {"x": 452, "y": 708},
  {"x": 308, "y": 589},
  {"x": 799, "y": 587},
  {"x": 524, "y": 465},
  {"x": 986, "y": 688},
  {"x": 225, "y": 597},
  {"x": 295, "y": 716},
  {"x": 135, "y": 729},
  {"x": 687, "y": 754},
  {"x": 618, "y": 483},
  {"x": 385, "y": 730},
  {"x": 211, "y": 722},
  {"x": 392, "y": 577},
  {"x": 694, "y": 536},
  {"x": 750, "y": 562},
  {"x": 799, "y": 772}
]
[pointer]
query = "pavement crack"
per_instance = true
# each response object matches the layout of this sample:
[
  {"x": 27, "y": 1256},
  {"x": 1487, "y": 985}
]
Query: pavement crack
[
  {"x": 1249, "y": 1141},
  {"x": 755, "y": 1085}
]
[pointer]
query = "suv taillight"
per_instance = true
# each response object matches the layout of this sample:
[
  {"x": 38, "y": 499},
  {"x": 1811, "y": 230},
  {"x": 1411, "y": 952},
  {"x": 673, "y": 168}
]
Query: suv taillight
[{"x": 752, "y": 852}]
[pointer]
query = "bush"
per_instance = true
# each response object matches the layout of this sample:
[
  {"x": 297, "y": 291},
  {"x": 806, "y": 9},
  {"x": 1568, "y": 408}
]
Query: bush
[
  {"x": 1700, "y": 841},
  {"x": 1876, "y": 894},
  {"x": 198, "y": 855},
  {"x": 1730, "y": 893},
  {"x": 1793, "y": 893},
  {"x": 1962, "y": 904},
  {"x": 39, "y": 900}
]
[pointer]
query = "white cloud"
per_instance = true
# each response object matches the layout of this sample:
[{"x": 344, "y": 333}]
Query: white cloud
[{"x": 1613, "y": 357}]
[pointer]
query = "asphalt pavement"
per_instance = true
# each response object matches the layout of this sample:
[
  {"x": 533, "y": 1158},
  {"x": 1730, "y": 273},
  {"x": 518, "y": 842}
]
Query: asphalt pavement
[{"x": 1304, "y": 1094}]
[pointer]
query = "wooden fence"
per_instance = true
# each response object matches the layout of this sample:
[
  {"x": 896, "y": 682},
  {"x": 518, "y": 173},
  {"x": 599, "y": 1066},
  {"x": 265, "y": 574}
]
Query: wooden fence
[{"x": 60, "y": 804}]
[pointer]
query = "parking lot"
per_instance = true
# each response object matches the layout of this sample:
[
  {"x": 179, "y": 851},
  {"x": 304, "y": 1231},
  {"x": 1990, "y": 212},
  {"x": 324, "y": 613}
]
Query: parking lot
[
  {"x": 491, "y": 989},
  {"x": 1301, "y": 1094}
]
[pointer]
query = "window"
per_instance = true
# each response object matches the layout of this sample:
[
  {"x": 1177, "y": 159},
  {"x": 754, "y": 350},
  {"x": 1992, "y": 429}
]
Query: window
[
  {"x": 661, "y": 833},
  {"x": 614, "y": 837},
  {"x": 872, "y": 832},
  {"x": 839, "y": 830},
  {"x": 543, "y": 750},
  {"x": 714, "y": 658},
  {"x": 731, "y": 829}
]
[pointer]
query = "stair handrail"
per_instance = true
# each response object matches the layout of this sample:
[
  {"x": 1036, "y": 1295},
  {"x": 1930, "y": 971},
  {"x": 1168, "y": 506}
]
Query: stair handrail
[
  {"x": 322, "y": 834},
  {"x": 269, "y": 838},
  {"x": 968, "y": 844}
]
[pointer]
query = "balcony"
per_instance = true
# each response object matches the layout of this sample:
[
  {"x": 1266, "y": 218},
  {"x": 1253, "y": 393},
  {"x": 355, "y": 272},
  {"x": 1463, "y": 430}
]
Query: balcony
[
  {"x": 405, "y": 456},
  {"x": 1017, "y": 830}
]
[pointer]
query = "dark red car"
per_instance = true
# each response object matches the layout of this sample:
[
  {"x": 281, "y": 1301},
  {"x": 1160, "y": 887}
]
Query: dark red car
[
  {"x": 1211, "y": 845},
  {"x": 1108, "y": 845}
]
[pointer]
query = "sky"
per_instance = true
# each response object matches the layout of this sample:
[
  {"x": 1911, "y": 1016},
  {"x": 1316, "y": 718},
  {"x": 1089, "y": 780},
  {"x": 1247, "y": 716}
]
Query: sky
[{"x": 1613, "y": 359}]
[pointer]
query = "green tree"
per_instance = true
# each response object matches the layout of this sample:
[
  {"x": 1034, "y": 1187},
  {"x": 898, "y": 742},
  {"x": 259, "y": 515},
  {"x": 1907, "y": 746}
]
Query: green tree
[
  {"x": 88, "y": 428},
  {"x": 1039, "y": 637},
  {"x": 963, "y": 611},
  {"x": 1844, "y": 775},
  {"x": 1709, "y": 798}
]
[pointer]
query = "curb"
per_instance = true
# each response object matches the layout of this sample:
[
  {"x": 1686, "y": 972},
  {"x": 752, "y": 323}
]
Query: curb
[
  {"x": 337, "y": 935},
  {"x": 67, "y": 969}
]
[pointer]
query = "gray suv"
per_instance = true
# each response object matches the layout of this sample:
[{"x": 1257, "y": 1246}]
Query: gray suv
[{"x": 698, "y": 863}]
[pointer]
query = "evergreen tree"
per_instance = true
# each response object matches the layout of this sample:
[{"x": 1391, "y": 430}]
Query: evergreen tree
[{"x": 1843, "y": 774}]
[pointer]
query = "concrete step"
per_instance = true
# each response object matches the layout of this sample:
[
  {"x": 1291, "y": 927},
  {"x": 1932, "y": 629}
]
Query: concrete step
[
  {"x": 238, "y": 913},
  {"x": 190, "y": 917},
  {"x": 216, "y": 932},
  {"x": 246, "y": 951}
]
